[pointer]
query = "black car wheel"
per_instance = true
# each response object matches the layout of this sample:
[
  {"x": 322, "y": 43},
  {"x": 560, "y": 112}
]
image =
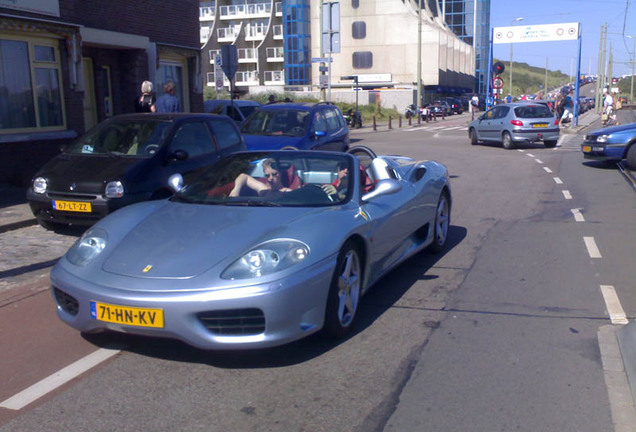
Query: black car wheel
[
  {"x": 473, "y": 137},
  {"x": 344, "y": 292},
  {"x": 507, "y": 141},
  {"x": 631, "y": 157},
  {"x": 550, "y": 144}
]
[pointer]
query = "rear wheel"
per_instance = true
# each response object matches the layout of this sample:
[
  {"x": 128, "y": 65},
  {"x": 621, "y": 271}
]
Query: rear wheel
[
  {"x": 631, "y": 157},
  {"x": 550, "y": 144},
  {"x": 507, "y": 141},
  {"x": 344, "y": 292},
  {"x": 473, "y": 137}
]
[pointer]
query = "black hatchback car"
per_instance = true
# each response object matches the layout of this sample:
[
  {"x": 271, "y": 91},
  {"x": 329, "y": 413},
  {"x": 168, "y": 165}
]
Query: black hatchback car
[{"x": 124, "y": 160}]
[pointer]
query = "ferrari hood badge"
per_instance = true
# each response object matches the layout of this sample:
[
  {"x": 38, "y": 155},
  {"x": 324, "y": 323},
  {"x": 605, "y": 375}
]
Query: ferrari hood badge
[{"x": 147, "y": 268}]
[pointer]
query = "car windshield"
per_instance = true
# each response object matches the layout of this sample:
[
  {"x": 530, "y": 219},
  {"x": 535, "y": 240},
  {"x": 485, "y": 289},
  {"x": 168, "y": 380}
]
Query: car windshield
[
  {"x": 136, "y": 138},
  {"x": 280, "y": 179},
  {"x": 284, "y": 121},
  {"x": 533, "y": 111}
]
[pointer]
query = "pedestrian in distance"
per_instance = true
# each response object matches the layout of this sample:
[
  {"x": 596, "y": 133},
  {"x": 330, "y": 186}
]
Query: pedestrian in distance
[
  {"x": 568, "y": 108},
  {"x": 168, "y": 102},
  {"x": 146, "y": 102},
  {"x": 473, "y": 106}
]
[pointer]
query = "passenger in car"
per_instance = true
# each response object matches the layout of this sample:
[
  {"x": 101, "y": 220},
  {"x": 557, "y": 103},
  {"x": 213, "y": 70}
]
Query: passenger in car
[
  {"x": 273, "y": 181},
  {"x": 339, "y": 186}
]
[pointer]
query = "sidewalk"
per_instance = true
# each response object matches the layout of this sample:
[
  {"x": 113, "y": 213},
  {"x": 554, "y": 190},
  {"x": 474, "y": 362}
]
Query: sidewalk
[{"x": 14, "y": 210}]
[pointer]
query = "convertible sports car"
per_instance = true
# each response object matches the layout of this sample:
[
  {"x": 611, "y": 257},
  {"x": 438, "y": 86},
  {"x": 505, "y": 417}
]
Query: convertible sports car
[{"x": 263, "y": 248}]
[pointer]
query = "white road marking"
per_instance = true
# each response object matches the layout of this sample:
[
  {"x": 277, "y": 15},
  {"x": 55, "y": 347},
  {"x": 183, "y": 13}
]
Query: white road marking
[
  {"x": 539, "y": 161},
  {"x": 548, "y": 170},
  {"x": 520, "y": 150},
  {"x": 613, "y": 305},
  {"x": 592, "y": 249},
  {"x": 59, "y": 378},
  {"x": 455, "y": 127},
  {"x": 567, "y": 195},
  {"x": 578, "y": 216},
  {"x": 530, "y": 155},
  {"x": 556, "y": 179}
]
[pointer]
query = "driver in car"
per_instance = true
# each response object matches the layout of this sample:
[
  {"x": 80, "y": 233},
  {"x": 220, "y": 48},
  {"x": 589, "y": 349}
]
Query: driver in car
[
  {"x": 272, "y": 184},
  {"x": 339, "y": 186}
]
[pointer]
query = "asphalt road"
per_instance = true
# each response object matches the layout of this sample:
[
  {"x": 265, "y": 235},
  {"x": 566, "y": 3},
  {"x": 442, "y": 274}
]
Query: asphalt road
[{"x": 498, "y": 333}]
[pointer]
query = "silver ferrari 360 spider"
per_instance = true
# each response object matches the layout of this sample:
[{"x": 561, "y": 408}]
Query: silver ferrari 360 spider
[{"x": 261, "y": 249}]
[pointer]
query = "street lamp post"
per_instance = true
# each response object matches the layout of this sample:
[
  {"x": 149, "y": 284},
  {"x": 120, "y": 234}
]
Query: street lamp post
[
  {"x": 512, "y": 22},
  {"x": 631, "y": 91}
]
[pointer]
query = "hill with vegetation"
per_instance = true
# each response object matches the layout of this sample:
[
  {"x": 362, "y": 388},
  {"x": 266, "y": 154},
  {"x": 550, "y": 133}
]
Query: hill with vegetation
[{"x": 528, "y": 79}]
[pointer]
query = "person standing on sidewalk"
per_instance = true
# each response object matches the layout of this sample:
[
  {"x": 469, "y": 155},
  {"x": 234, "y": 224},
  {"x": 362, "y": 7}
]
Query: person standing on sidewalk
[
  {"x": 168, "y": 102},
  {"x": 473, "y": 105}
]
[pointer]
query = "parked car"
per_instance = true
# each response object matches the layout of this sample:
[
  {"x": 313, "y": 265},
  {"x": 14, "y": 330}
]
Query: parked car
[
  {"x": 124, "y": 160},
  {"x": 455, "y": 105},
  {"x": 612, "y": 144},
  {"x": 238, "y": 110},
  {"x": 517, "y": 122},
  {"x": 303, "y": 126},
  {"x": 445, "y": 106},
  {"x": 224, "y": 270}
]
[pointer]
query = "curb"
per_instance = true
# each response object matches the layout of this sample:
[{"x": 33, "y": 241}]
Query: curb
[{"x": 17, "y": 225}]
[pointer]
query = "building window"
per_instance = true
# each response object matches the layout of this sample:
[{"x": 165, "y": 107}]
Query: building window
[
  {"x": 359, "y": 29},
  {"x": 362, "y": 60},
  {"x": 355, "y": 4},
  {"x": 173, "y": 71},
  {"x": 30, "y": 85}
]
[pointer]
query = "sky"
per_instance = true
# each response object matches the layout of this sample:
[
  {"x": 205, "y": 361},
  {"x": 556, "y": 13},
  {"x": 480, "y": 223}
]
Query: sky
[{"x": 619, "y": 15}]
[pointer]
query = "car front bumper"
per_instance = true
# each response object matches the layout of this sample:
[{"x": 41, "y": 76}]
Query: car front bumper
[
  {"x": 42, "y": 206},
  {"x": 603, "y": 151},
  {"x": 289, "y": 308}
]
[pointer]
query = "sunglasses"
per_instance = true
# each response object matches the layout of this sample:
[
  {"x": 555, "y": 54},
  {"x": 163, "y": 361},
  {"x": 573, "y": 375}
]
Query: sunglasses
[{"x": 272, "y": 174}]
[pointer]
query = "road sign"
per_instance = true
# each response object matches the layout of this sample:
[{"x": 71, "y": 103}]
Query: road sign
[
  {"x": 229, "y": 60},
  {"x": 321, "y": 59},
  {"x": 497, "y": 82}
]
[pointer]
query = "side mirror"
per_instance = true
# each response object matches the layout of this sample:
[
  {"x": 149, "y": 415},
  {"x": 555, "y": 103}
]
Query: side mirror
[
  {"x": 383, "y": 187},
  {"x": 175, "y": 182},
  {"x": 180, "y": 155}
]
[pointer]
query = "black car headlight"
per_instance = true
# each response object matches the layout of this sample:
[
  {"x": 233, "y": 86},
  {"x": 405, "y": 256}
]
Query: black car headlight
[
  {"x": 114, "y": 189},
  {"x": 267, "y": 258},
  {"x": 39, "y": 185},
  {"x": 88, "y": 247}
]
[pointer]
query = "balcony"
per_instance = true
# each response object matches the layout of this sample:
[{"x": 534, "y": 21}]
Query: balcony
[
  {"x": 278, "y": 32},
  {"x": 248, "y": 55},
  {"x": 275, "y": 54},
  {"x": 212, "y": 54},
  {"x": 228, "y": 34},
  {"x": 259, "y": 10},
  {"x": 255, "y": 33},
  {"x": 246, "y": 78},
  {"x": 204, "y": 34},
  {"x": 232, "y": 12},
  {"x": 207, "y": 13},
  {"x": 278, "y": 8},
  {"x": 274, "y": 77}
]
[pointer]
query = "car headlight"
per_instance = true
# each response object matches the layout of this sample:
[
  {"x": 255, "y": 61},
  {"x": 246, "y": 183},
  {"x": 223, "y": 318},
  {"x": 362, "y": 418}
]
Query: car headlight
[
  {"x": 270, "y": 257},
  {"x": 602, "y": 138},
  {"x": 114, "y": 189},
  {"x": 88, "y": 247},
  {"x": 39, "y": 185}
]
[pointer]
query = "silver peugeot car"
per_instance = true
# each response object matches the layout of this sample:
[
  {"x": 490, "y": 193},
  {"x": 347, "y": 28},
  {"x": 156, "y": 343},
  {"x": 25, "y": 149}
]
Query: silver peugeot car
[{"x": 516, "y": 123}]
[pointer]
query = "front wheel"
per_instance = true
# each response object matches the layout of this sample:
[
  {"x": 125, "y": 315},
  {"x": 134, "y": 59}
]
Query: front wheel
[
  {"x": 442, "y": 222},
  {"x": 507, "y": 141},
  {"x": 550, "y": 144},
  {"x": 631, "y": 157},
  {"x": 344, "y": 292},
  {"x": 473, "y": 137}
]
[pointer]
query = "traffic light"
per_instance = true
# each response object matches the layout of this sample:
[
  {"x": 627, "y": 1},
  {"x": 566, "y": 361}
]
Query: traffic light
[{"x": 498, "y": 68}]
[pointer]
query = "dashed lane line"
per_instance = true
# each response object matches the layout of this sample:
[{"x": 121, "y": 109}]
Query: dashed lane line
[
  {"x": 557, "y": 180},
  {"x": 578, "y": 216},
  {"x": 592, "y": 249},
  {"x": 566, "y": 194},
  {"x": 613, "y": 305}
]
